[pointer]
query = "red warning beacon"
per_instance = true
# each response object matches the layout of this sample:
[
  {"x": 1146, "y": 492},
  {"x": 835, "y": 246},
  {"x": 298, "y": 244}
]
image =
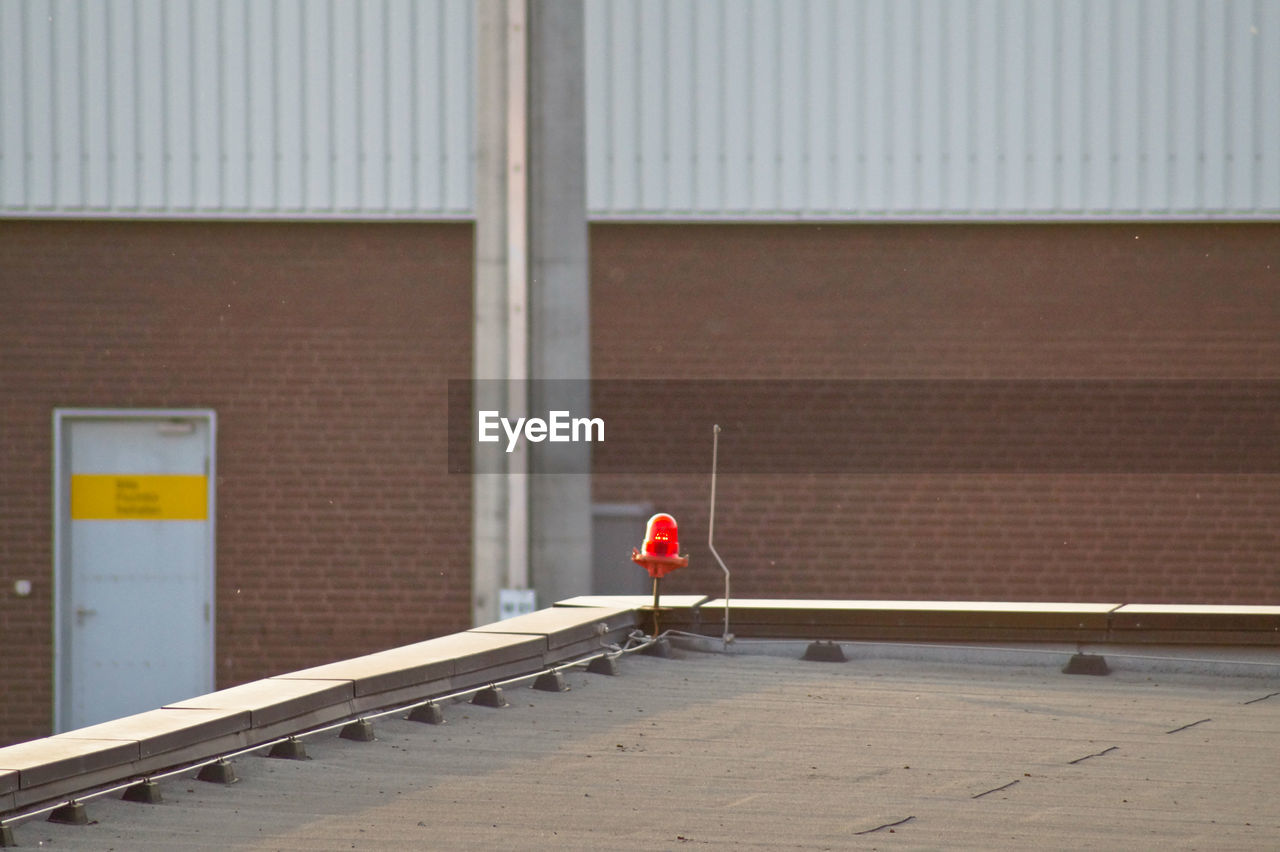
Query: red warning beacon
[{"x": 660, "y": 553}]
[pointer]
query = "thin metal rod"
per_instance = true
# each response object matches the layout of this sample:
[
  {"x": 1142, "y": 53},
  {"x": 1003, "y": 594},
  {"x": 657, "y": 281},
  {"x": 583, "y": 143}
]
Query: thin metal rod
[
  {"x": 711, "y": 529},
  {"x": 655, "y": 608}
]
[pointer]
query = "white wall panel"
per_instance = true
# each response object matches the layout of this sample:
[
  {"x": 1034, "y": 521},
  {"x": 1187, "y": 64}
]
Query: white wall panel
[
  {"x": 949, "y": 109},
  {"x": 1265, "y": 36},
  {"x": 655, "y": 104},
  {"x": 96, "y": 125},
  {"x": 696, "y": 109},
  {"x": 400, "y": 73},
  {"x": 290, "y": 98},
  {"x": 278, "y": 108},
  {"x": 456, "y": 82},
  {"x": 372, "y": 117},
  {"x": 40, "y": 104},
  {"x": 681, "y": 152},
  {"x": 705, "y": 125},
  {"x": 13, "y": 106}
]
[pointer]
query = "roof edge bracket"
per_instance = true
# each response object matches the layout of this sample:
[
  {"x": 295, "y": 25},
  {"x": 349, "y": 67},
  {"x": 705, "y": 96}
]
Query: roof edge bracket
[
  {"x": 603, "y": 665},
  {"x": 551, "y": 681},
  {"x": 428, "y": 714},
  {"x": 218, "y": 772},
  {"x": 72, "y": 813},
  {"x": 290, "y": 749},
  {"x": 824, "y": 652},
  {"x": 489, "y": 697},
  {"x": 1086, "y": 664},
  {"x": 144, "y": 793},
  {"x": 359, "y": 731}
]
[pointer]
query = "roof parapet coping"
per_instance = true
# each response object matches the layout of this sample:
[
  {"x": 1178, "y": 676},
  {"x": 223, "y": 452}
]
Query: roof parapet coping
[
  {"x": 992, "y": 621},
  {"x": 91, "y": 760},
  {"x": 261, "y": 712}
]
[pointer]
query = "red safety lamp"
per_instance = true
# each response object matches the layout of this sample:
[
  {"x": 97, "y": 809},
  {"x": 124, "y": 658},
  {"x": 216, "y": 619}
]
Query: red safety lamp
[{"x": 660, "y": 554}]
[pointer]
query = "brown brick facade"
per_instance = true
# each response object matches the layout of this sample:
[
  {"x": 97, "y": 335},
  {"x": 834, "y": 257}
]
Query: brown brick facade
[
  {"x": 324, "y": 349},
  {"x": 953, "y": 302}
]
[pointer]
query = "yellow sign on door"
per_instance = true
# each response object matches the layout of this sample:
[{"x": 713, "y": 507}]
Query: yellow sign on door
[{"x": 139, "y": 497}]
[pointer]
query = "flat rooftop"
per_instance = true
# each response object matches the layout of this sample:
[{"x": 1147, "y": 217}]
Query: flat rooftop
[{"x": 762, "y": 750}]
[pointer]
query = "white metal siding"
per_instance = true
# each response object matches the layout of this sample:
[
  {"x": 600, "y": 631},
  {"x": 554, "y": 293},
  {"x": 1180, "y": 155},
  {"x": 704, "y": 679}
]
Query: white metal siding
[
  {"x": 243, "y": 108},
  {"x": 703, "y": 109},
  {"x": 936, "y": 109}
]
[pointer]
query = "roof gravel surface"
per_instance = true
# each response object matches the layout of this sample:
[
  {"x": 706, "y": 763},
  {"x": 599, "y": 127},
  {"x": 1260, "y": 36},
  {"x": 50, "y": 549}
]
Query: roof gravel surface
[{"x": 757, "y": 752}]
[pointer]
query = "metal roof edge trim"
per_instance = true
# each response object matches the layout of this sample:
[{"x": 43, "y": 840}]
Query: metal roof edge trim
[
  {"x": 964, "y": 621},
  {"x": 73, "y": 763},
  {"x": 648, "y": 217},
  {"x": 233, "y": 216},
  {"x": 784, "y": 217}
]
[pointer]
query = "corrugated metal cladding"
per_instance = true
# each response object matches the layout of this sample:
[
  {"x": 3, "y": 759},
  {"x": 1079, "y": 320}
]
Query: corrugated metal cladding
[
  {"x": 935, "y": 108},
  {"x": 703, "y": 109},
  {"x": 282, "y": 108}
]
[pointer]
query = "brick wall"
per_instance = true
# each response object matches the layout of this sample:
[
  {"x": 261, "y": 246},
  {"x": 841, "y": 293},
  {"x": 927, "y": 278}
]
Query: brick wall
[
  {"x": 324, "y": 350},
  {"x": 952, "y": 302}
]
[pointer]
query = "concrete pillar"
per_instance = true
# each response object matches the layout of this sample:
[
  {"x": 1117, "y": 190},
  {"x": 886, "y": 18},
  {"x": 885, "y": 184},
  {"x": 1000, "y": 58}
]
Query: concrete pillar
[
  {"x": 531, "y": 300},
  {"x": 500, "y": 325},
  {"x": 560, "y": 342}
]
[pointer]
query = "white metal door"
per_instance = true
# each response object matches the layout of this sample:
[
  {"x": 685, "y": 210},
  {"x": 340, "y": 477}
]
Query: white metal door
[{"x": 134, "y": 562}]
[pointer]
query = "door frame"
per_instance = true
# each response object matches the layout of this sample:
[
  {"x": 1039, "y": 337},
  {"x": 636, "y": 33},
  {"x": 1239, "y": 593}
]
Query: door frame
[{"x": 62, "y": 417}]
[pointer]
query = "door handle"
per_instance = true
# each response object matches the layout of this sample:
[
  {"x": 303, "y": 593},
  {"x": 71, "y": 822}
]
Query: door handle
[{"x": 82, "y": 613}]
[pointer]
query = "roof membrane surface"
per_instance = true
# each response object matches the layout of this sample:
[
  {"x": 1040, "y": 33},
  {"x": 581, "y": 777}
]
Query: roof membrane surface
[{"x": 749, "y": 751}]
